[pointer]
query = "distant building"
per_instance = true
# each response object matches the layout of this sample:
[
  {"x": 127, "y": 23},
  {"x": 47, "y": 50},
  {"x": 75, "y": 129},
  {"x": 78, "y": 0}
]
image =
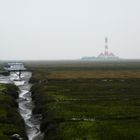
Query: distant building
[
  {"x": 14, "y": 66},
  {"x": 88, "y": 58}
]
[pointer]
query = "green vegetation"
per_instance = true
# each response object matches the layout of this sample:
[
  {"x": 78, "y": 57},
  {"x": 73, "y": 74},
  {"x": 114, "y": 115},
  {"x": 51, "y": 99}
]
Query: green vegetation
[
  {"x": 79, "y": 107},
  {"x": 2, "y": 71},
  {"x": 10, "y": 120}
]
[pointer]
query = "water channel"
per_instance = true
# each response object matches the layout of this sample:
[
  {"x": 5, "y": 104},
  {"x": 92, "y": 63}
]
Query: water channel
[{"x": 25, "y": 103}]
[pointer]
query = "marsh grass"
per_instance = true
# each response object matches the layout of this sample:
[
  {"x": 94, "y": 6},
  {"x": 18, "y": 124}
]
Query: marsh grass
[
  {"x": 88, "y": 106},
  {"x": 10, "y": 120}
]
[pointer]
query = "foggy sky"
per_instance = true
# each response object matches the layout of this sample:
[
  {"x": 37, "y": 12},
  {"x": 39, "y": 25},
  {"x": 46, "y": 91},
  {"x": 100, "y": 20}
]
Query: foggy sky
[{"x": 68, "y": 29}]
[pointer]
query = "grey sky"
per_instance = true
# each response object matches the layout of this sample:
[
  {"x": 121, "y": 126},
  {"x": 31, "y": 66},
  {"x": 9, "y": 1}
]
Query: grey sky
[{"x": 68, "y": 29}]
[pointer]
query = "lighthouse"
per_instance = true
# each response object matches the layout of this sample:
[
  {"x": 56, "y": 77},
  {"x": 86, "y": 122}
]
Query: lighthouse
[
  {"x": 106, "y": 47},
  {"x": 106, "y": 54}
]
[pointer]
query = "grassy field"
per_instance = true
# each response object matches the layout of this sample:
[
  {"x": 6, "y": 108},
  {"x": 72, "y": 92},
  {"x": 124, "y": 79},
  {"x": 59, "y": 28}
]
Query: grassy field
[
  {"x": 10, "y": 120},
  {"x": 88, "y": 100},
  {"x": 83, "y": 69}
]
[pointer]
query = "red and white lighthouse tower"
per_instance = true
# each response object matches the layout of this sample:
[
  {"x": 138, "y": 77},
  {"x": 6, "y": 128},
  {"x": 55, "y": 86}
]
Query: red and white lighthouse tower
[{"x": 106, "y": 53}]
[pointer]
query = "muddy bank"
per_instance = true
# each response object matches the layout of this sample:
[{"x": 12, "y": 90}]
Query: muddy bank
[{"x": 49, "y": 124}]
